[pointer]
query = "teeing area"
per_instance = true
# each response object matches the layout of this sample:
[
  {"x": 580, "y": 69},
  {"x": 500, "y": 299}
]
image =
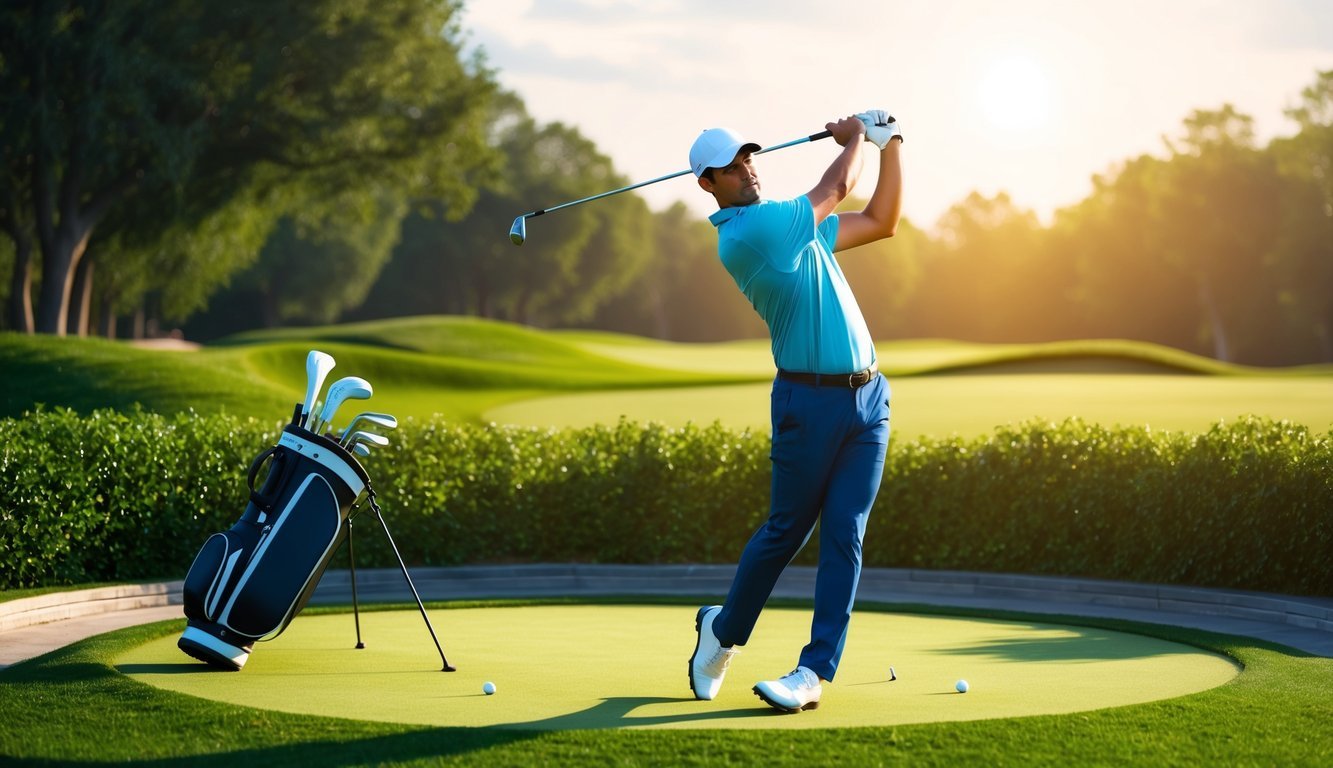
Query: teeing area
[{"x": 562, "y": 666}]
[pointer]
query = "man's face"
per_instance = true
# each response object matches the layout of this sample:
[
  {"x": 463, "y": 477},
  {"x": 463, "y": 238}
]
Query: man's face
[{"x": 734, "y": 185}]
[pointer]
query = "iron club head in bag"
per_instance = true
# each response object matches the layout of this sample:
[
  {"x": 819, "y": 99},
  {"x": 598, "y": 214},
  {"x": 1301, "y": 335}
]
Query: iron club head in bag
[
  {"x": 359, "y": 437},
  {"x": 378, "y": 419}
]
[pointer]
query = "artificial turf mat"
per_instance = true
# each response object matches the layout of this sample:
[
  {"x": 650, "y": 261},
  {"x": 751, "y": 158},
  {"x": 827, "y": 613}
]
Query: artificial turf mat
[{"x": 624, "y": 666}]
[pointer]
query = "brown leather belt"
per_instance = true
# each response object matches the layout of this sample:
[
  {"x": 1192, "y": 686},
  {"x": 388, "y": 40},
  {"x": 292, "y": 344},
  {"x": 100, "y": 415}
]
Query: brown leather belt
[{"x": 849, "y": 380}]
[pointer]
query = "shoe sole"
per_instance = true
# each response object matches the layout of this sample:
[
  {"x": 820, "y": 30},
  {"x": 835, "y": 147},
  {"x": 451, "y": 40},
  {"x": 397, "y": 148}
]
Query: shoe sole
[
  {"x": 783, "y": 707},
  {"x": 698, "y": 640}
]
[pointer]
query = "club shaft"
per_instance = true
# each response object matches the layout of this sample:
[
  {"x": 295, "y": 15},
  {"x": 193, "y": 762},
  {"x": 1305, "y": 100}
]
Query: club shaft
[{"x": 784, "y": 145}]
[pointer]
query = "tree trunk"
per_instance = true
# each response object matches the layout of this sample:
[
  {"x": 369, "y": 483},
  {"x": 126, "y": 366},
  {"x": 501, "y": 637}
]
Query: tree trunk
[
  {"x": 1221, "y": 348},
  {"x": 20, "y": 287},
  {"x": 106, "y": 327},
  {"x": 81, "y": 299},
  {"x": 59, "y": 263}
]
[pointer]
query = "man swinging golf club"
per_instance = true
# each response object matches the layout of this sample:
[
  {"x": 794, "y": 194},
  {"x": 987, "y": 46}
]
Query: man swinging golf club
[{"x": 830, "y": 405}]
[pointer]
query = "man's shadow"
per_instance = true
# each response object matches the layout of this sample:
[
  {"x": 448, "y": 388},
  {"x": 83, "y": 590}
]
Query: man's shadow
[{"x": 616, "y": 712}]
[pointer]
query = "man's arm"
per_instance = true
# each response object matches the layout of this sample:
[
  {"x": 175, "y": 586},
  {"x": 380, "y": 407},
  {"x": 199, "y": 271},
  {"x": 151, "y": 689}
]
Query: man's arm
[
  {"x": 879, "y": 219},
  {"x": 841, "y": 176}
]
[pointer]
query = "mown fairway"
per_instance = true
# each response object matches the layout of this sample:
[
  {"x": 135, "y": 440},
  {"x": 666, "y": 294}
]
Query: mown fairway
[{"x": 479, "y": 371}]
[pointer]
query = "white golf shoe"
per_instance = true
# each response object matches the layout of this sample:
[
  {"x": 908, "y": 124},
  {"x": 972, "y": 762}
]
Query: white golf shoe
[
  {"x": 709, "y": 663},
  {"x": 793, "y": 693}
]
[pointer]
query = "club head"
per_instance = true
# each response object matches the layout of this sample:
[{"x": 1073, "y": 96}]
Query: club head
[
  {"x": 358, "y": 437},
  {"x": 347, "y": 388},
  {"x": 361, "y": 450},
  {"x": 317, "y": 367},
  {"x": 382, "y": 420},
  {"x": 519, "y": 232}
]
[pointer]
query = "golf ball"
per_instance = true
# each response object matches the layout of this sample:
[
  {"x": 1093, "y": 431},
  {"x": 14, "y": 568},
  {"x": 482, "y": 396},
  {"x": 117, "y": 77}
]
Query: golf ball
[
  {"x": 960, "y": 686},
  {"x": 488, "y": 688}
]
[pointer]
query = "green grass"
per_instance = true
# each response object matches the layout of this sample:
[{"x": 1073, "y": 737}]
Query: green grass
[
  {"x": 970, "y": 405},
  {"x": 640, "y": 681},
  {"x": 73, "y": 707},
  {"x": 477, "y": 371}
]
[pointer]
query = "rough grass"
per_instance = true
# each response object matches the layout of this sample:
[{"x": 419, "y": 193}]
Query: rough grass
[{"x": 72, "y": 707}]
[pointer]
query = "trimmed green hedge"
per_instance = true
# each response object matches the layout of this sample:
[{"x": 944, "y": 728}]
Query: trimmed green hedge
[{"x": 1247, "y": 505}]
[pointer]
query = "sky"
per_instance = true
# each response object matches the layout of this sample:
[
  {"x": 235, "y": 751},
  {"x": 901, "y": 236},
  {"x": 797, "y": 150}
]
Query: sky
[{"x": 1028, "y": 97}]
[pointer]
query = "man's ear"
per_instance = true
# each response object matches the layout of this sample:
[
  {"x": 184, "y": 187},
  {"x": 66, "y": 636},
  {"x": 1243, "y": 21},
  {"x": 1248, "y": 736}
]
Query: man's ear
[{"x": 706, "y": 184}]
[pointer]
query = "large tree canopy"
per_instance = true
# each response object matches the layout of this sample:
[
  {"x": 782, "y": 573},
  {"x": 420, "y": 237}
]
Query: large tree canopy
[{"x": 191, "y": 105}]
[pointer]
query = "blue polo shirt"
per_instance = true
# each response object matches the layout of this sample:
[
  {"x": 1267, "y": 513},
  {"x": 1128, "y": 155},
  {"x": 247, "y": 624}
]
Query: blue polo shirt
[{"x": 784, "y": 265}]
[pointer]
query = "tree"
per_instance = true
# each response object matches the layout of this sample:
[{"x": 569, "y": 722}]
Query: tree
[
  {"x": 1124, "y": 287},
  {"x": 1304, "y": 253},
  {"x": 572, "y": 261},
  {"x": 982, "y": 279},
  {"x": 1219, "y": 216},
  {"x": 191, "y": 104},
  {"x": 885, "y": 275},
  {"x": 683, "y": 293}
]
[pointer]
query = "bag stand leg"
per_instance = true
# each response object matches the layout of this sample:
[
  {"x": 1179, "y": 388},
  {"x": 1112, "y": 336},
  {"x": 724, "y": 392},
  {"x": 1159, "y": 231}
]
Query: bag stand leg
[
  {"x": 374, "y": 507},
  {"x": 351, "y": 562}
]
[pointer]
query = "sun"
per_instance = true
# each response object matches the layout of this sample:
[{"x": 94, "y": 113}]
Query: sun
[{"x": 1015, "y": 94}]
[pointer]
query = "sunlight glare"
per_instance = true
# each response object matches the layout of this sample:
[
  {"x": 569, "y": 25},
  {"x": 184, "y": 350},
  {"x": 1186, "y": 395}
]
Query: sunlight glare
[{"x": 1015, "y": 94}]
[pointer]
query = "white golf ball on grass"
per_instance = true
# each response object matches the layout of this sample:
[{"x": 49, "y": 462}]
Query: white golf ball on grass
[
  {"x": 960, "y": 686},
  {"x": 488, "y": 688}
]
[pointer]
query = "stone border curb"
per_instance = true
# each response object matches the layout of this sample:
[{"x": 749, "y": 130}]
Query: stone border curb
[{"x": 61, "y": 606}]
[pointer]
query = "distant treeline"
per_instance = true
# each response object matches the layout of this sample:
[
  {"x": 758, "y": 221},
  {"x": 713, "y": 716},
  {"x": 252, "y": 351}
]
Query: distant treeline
[{"x": 221, "y": 167}]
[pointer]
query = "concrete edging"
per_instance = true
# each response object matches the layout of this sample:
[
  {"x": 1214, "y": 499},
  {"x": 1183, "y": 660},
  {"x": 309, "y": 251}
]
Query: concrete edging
[{"x": 79, "y": 603}]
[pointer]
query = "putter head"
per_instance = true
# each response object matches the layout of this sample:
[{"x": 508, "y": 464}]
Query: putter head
[{"x": 519, "y": 232}]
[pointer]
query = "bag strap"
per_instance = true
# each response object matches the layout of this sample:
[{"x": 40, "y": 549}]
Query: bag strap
[{"x": 277, "y": 453}]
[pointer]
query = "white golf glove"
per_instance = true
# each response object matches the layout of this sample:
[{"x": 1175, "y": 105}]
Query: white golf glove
[{"x": 880, "y": 127}]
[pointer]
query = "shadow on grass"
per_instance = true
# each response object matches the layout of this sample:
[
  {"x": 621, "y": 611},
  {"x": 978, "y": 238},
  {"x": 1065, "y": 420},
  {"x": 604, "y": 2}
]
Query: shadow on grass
[
  {"x": 432, "y": 743},
  {"x": 1069, "y": 645},
  {"x": 183, "y": 668}
]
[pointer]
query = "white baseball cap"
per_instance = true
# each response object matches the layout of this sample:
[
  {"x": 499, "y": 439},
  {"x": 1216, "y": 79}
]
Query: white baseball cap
[{"x": 716, "y": 148}]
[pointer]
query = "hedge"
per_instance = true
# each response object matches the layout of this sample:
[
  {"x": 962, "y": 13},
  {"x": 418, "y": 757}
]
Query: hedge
[{"x": 1247, "y": 505}]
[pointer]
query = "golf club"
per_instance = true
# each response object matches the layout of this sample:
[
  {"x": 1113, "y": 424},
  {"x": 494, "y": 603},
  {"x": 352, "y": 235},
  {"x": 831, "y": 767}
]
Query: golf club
[
  {"x": 378, "y": 419},
  {"x": 357, "y": 438},
  {"x": 361, "y": 450},
  {"x": 519, "y": 231},
  {"x": 348, "y": 388},
  {"x": 317, "y": 367}
]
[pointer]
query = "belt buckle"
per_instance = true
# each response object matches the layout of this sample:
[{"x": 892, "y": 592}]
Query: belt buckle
[{"x": 852, "y": 377}]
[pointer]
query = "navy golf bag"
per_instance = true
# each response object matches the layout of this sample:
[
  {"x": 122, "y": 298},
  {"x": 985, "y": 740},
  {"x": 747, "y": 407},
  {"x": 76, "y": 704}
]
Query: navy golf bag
[{"x": 247, "y": 583}]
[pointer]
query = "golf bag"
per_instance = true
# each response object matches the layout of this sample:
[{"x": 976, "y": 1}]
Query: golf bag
[{"x": 247, "y": 583}]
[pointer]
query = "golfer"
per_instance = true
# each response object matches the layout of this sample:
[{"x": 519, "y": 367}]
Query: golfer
[{"x": 830, "y": 405}]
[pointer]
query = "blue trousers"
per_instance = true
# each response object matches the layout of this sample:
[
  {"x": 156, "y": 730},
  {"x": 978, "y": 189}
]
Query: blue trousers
[{"x": 828, "y": 454}]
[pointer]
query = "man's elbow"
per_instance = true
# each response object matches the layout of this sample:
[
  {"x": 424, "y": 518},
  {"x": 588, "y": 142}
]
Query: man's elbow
[{"x": 885, "y": 226}]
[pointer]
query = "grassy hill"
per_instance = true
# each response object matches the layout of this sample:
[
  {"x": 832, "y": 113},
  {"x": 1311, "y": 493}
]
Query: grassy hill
[{"x": 477, "y": 370}]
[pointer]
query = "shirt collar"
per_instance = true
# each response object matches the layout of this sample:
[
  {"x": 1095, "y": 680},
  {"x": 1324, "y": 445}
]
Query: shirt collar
[{"x": 723, "y": 215}]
